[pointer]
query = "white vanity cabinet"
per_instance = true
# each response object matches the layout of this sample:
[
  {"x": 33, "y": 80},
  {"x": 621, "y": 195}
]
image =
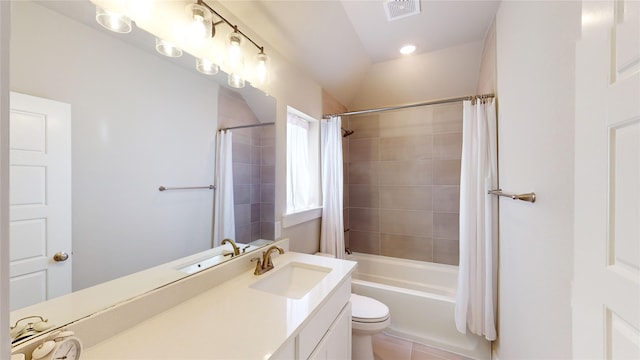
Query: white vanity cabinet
[
  {"x": 327, "y": 335},
  {"x": 336, "y": 344}
]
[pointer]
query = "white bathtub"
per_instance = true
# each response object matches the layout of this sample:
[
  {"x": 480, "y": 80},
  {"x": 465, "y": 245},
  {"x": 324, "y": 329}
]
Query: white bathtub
[{"x": 421, "y": 299}]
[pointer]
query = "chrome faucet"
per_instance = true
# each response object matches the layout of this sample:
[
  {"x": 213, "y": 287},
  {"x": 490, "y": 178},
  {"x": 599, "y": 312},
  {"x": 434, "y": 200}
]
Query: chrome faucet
[
  {"x": 266, "y": 264},
  {"x": 236, "y": 251}
]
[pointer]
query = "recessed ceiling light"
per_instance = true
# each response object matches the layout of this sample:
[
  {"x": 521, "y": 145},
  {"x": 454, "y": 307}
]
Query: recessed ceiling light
[{"x": 407, "y": 49}]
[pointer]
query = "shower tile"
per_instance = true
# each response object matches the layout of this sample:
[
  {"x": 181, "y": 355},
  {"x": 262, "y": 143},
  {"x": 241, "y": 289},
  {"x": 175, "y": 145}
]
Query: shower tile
[
  {"x": 267, "y": 230},
  {"x": 447, "y": 146},
  {"x": 241, "y": 194},
  {"x": 255, "y": 155},
  {"x": 364, "y": 242},
  {"x": 446, "y": 251},
  {"x": 403, "y": 222},
  {"x": 345, "y": 196},
  {"x": 243, "y": 233},
  {"x": 446, "y": 226},
  {"x": 268, "y": 142},
  {"x": 242, "y": 215},
  {"x": 363, "y": 196},
  {"x": 446, "y": 198},
  {"x": 405, "y": 173},
  {"x": 406, "y": 247},
  {"x": 255, "y": 230},
  {"x": 267, "y": 212},
  {"x": 408, "y": 122},
  {"x": 240, "y": 135},
  {"x": 267, "y": 174},
  {"x": 255, "y": 212},
  {"x": 447, "y": 118},
  {"x": 406, "y": 148},
  {"x": 268, "y": 155},
  {"x": 255, "y": 174},
  {"x": 405, "y": 197},
  {"x": 364, "y": 126},
  {"x": 364, "y": 219},
  {"x": 363, "y": 172},
  {"x": 241, "y": 152},
  {"x": 255, "y": 194},
  {"x": 241, "y": 174},
  {"x": 267, "y": 133},
  {"x": 363, "y": 150},
  {"x": 267, "y": 193},
  {"x": 446, "y": 172}
]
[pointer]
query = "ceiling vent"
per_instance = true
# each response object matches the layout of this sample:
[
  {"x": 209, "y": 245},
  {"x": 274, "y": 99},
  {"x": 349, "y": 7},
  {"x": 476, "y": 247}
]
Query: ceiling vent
[{"x": 398, "y": 9}]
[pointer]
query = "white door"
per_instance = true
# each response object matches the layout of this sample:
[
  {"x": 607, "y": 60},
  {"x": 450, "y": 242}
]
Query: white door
[
  {"x": 606, "y": 289},
  {"x": 39, "y": 199}
]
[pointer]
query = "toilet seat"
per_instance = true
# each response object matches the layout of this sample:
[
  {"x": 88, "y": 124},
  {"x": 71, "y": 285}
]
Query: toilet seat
[{"x": 367, "y": 310}]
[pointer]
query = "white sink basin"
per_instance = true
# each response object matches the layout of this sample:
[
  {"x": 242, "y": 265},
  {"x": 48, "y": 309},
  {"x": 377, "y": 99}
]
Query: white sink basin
[
  {"x": 203, "y": 264},
  {"x": 214, "y": 259},
  {"x": 294, "y": 280}
]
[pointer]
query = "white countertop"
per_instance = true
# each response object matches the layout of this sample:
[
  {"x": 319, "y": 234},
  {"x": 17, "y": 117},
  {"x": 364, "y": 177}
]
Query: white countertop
[{"x": 229, "y": 321}]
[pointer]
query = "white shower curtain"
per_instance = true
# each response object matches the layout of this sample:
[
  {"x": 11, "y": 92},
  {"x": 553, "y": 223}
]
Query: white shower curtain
[
  {"x": 477, "y": 278},
  {"x": 224, "y": 218},
  {"x": 332, "y": 228}
]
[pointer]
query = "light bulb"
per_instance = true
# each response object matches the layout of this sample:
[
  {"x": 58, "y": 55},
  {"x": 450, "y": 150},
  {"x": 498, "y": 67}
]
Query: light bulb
[
  {"x": 206, "y": 67},
  {"x": 261, "y": 68},
  {"x": 113, "y": 21},
  {"x": 201, "y": 24},
  {"x": 235, "y": 80},
  {"x": 407, "y": 49},
  {"x": 234, "y": 52},
  {"x": 167, "y": 49}
]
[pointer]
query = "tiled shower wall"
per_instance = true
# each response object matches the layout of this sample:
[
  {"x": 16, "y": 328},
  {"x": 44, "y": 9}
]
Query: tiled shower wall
[
  {"x": 402, "y": 188},
  {"x": 253, "y": 168},
  {"x": 253, "y": 182}
]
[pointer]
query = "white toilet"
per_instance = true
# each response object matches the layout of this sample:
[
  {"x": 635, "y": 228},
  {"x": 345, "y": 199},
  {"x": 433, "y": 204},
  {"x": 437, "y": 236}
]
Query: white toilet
[{"x": 368, "y": 317}]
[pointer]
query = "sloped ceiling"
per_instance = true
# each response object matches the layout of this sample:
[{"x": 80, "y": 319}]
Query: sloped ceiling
[{"x": 336, "y": 41}]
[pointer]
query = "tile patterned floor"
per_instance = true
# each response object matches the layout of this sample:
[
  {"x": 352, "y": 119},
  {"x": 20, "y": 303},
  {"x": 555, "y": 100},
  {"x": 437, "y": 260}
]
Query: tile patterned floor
[{"x": 390, "y": 348}]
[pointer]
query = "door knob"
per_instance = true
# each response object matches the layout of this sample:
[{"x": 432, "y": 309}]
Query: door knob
[{"x": 60, "y": 256}]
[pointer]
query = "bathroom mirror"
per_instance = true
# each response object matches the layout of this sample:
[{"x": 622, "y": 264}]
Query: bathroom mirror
[{"x": 139, "y": 121}]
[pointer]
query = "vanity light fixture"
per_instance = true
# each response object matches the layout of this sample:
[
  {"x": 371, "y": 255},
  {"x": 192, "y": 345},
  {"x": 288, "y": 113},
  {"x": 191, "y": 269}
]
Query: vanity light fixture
[
  {"x": 113, "y": 21},
  {"x": 167, "y": 49},
  {"x": 206, "y": 67},
  {"x": 407, "y": 49},
  {"x": 199, "y": 27}
]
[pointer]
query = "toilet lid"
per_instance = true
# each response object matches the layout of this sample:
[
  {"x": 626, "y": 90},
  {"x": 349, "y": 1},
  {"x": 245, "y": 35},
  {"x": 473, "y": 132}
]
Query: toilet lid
[{"x": 366, "y": 309}]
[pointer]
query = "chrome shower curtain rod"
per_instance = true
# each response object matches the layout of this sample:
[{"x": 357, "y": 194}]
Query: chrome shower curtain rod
[
  {"x": 433, "y": 102},
  {"x": 246, "y": 126}
]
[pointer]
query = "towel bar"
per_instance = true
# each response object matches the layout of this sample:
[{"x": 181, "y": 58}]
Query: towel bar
[
  {"x": 163, "y": 188},
  {"x": 530, "y": 197}
]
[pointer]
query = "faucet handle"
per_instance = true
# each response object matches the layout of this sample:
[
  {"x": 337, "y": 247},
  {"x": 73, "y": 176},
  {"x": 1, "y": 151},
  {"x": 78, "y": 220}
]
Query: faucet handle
[{"x": 258, "y": 270}]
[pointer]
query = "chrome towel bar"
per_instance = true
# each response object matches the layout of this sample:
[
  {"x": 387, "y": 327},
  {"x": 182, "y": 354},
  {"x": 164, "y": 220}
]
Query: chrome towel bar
[
  {"x": 530, "y": 197},
  {"x": 210, "y": 187}
]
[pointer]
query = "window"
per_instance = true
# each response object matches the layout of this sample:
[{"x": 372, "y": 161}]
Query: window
[{"x": 303, "y": 167}]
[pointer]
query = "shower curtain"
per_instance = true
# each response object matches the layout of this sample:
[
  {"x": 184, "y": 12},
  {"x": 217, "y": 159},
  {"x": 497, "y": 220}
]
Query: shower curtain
[
  {"x": 477, "y": 278},
  {"x": 332, "y": 228},
  {"x": 224, "y": 215}
]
